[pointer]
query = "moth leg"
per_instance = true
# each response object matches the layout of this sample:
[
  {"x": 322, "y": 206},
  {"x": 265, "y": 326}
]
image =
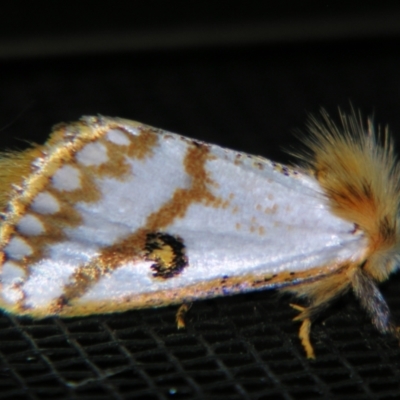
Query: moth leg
[
  {"x": 297, "y": 307},
  {"x": 374, "y": 304},
  {"x": 305, "y": 330},
  {"x": 304, "y": 335},
  {"x": 181, "y": 313},
  {"x": 321, "y": 293}
]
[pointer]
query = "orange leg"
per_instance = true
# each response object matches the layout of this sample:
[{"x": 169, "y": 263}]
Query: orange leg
[
  {"x": 180, "y": 315},
  {"x": 304, "y": 332}
]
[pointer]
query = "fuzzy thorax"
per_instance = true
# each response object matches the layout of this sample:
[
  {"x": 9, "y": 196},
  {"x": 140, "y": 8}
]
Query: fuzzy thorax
[{"x": 361, "y": 179}]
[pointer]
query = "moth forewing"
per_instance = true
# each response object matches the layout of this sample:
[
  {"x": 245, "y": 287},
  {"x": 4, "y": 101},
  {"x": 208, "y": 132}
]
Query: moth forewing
[{"x": 110, "y": 215}]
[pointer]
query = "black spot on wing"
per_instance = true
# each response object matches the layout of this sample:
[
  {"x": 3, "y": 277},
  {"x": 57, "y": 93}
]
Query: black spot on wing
[{"x": 168, "y": 252}]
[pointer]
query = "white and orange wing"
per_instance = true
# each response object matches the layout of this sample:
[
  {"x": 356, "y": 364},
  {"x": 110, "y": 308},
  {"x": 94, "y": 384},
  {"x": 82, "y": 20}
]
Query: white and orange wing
[{"x": 112, "y": 214}]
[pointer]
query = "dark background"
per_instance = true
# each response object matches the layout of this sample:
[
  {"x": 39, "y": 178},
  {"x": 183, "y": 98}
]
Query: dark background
[{"x": 239, "y": 74}]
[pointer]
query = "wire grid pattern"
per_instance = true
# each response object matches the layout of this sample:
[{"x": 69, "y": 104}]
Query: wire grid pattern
[{"x": 242, "y": 347}]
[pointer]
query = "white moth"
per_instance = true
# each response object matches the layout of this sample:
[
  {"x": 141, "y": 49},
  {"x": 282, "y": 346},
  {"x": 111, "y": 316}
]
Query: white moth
[{"x": 110, "y": 215}]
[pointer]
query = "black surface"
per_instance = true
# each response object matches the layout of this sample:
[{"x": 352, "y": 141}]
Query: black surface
[{"x": 249, "y": 97}]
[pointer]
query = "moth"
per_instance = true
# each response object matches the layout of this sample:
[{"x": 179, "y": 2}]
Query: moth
[{"x": 110, "y": 215}]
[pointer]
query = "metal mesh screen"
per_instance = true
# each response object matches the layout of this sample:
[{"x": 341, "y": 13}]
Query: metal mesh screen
[{"x": 242, "y": 347}]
